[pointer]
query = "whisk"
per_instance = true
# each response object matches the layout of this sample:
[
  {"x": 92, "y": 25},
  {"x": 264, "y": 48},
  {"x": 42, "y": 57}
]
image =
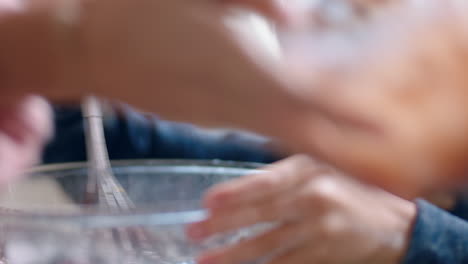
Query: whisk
[{"x": 103, "y": 187}]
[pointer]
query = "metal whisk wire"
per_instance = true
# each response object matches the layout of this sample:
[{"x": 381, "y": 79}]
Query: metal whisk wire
[
  {"x": 104, "y": 186},
  {"x": 101, "y": 180}
]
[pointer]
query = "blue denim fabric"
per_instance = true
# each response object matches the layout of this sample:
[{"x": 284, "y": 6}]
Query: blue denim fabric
[
  {"x": 438, "y": 237},
  {"x": 461, "y": 207},
  {"x": 133, "y": 135}
]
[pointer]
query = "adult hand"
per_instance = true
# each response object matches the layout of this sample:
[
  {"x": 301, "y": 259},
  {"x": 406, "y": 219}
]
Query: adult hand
[
  {"x": 24, "y": 128},
  {"x": 323, "y": 217},
  {"x": 390, "y": 96}
]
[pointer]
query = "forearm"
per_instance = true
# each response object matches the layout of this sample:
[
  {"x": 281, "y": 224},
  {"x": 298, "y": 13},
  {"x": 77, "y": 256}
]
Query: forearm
[
  {"x": 35, "y": 53},
  {"x": 39, "y": 53}
]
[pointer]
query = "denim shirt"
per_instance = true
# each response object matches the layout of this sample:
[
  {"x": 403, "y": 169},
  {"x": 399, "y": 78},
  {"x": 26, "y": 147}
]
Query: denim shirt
[{"x": 132, "y": 135}]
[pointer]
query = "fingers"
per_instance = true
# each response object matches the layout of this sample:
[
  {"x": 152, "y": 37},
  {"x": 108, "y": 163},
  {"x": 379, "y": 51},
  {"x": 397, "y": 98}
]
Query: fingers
[
  {"x": 286, "y": 236},
  {"x": 235, "y": 218},
  {"x": 35, "y": 115},
  {"x": 30, "y": 118},
  {"x": 24, "y": 129},
  {"x": 291, "y": 242},
  {"x": 277, "y": 178},
  {"x": 7, "y": 6},
  {"x": 306, "y": 199},
  {"x": 15, "y": 158},
  {"x": 300, "y": 255},
  {"x": 278, "y": 10}
]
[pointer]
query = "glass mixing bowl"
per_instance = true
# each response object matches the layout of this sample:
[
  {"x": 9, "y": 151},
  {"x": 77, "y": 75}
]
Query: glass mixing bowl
[{"x": 43, "y": 219}]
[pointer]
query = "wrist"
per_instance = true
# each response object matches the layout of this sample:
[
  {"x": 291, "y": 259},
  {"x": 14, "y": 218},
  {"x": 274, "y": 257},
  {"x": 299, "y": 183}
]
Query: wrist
[{"x": 394, "y": 251}]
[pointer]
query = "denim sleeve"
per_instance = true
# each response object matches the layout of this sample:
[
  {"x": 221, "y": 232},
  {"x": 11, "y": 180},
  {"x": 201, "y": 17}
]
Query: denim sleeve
[
  {"x": 461, "y": 207},
  {"x": 438, "y": 237},
  {"x": 132, "y": 135}
]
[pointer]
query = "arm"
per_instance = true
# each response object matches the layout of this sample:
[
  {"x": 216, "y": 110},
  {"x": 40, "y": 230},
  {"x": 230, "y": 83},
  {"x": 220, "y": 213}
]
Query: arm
[
  {"x": 132, "y": 135},
  {"x": 109, "y": 51},
  {"x": 33, "y": 52}
]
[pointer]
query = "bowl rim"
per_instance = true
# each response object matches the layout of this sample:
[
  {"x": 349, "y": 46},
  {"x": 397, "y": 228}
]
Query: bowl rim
[
  {"x": 94, "y": 217},
  {"x": 155, "y": 162}
]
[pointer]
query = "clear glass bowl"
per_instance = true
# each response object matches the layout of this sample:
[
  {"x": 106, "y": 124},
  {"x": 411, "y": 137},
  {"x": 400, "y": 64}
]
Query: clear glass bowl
[{"x": 44, "y": 220}]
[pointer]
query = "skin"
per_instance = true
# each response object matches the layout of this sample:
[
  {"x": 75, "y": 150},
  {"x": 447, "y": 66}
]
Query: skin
[
  {"x": 390, "y": 106},
  {"x": 323, "y": 216},
  {"x": 24, "y": 127},
  {"x": 110, "y": 48},
  {"x": 405, "y": 144},
  {"x": 415, "y": 138}
]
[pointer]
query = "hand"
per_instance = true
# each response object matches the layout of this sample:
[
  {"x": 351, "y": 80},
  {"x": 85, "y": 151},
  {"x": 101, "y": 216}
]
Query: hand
[
  {"x": 390, "y": 97},
  {"x": 24, "y": 128},
  {"x": 287, "y": 12},
  {"x": 323, "y": 217}
]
